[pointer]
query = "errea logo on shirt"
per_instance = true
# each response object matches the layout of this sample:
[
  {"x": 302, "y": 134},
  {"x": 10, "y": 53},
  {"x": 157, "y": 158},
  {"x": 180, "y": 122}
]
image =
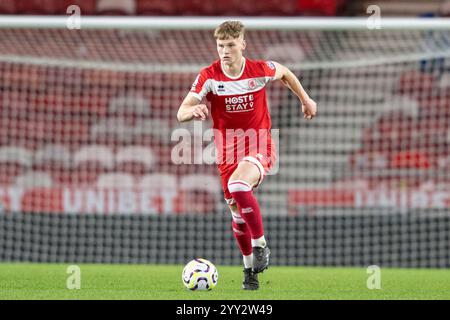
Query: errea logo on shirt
[
  {"x": 239, "y": 104},
  {"x": 220, "y": 87}
]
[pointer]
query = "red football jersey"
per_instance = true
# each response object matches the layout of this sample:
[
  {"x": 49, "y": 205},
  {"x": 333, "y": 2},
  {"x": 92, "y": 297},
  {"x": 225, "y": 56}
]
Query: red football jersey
[{"x": 239, "y": 109}]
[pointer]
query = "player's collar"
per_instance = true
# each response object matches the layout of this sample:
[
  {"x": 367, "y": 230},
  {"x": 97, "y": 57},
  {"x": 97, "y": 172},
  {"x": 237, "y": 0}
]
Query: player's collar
[{"x": 240, "y": 73}]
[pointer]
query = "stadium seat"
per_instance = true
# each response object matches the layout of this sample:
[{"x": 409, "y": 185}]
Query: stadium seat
[
  {"x": 158, "y": 129},
  {"x": 201, "y": 193},
  {"x": 292, "y": 52},
  {"x": 351, "y": 184},
  {"x": 8, "y": 7},
  {"x": 14, "y": 161},
  {"x": 135, "y": 160},
  {"x": 116, "y": 7},
  {"x": 159, "y": 181},
  {"x": 117, "y": 180},
  {"x": 34, "y": 179},
  {"x": 369, "y": 160},
  {"x": 203, "y": 182},
  {"x": 234, "y": 8},
  {"x": 98, "y": 155},
  {"x": 48, "y": 129},
  {"x": 112, "y": 130},
  {"x": 55, "y": 156},
  {"x": 195, "y": 8},
  {"x": 415, "y": 84},
  {"x": 40, "y": 7},
  {"x": 9, "y": 172},
  {"x": 443, "y": 161},
  {"x": 412, "y": 159},
  {"x": 17, "y": 155},
  {"x": 131, "y": 103},
  {"x": 275, "y": 8},
  {"x": 87, "y": 7},
  {"x": 319, "y": 7},
  {"x": 155, "y": 7},
  {"x": 402, "y": 103},
  {"x": 444, "y": 81}
]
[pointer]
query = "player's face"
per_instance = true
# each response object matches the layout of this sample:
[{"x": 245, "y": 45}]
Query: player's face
[{"x": 230, "y": 50}]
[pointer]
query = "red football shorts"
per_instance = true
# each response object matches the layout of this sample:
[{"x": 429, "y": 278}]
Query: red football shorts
[{"x": 264, "y": 164}]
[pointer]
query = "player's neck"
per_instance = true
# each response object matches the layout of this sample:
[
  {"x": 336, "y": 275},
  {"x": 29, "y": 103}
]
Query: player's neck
[{"x": 234, "y": 70}]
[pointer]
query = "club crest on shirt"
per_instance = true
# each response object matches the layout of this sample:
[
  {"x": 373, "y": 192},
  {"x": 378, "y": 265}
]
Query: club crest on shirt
[
  {"x": 251, "y": 84},
  {"x": 271, "y": 65}
]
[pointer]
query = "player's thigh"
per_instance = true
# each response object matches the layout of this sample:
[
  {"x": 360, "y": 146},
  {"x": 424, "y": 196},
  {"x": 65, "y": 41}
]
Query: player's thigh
[{"x": 247, "y": 172}]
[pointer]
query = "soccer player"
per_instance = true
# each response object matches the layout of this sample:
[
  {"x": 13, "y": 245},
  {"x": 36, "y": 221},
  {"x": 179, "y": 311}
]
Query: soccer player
[{"x": 235, "y": 87}]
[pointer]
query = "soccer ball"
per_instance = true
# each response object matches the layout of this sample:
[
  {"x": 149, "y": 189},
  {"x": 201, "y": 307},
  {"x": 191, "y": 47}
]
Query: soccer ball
[{"x": 200, "y": 274}]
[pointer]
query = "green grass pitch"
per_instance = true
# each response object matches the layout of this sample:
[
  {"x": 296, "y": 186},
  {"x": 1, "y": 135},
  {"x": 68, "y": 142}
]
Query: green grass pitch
[{"x": 132, "y": 282}]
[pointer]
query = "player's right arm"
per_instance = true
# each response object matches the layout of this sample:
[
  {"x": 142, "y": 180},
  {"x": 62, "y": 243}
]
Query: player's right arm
[{"x": 192, "y": 108}]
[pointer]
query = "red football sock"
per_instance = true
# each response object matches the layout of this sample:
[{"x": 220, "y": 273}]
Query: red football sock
[
  {"x": 243, "y": 238},
  {"x": 248, "y": 206}
]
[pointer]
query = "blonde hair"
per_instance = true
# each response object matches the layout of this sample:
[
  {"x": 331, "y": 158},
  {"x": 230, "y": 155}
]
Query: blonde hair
[{"x": 229, "y": 29}]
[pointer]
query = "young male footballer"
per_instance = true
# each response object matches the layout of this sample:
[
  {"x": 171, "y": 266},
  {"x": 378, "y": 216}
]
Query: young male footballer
[{"x": 235, "y": 87}]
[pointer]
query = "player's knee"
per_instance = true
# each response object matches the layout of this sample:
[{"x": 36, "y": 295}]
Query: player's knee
[{"x": 238, "y": 186}]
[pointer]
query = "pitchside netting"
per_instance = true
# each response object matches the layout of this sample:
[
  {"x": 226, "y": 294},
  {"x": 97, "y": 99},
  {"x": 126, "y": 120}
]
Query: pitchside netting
[{"x": 90, "y": 169}]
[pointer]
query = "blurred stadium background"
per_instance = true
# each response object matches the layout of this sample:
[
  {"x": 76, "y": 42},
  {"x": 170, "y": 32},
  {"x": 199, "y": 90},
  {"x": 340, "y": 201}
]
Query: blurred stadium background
[{"x": 85, "y": 139}]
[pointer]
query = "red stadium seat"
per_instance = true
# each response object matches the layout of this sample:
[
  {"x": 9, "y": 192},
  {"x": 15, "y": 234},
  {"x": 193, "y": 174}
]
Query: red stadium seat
[
  {"x": 412, "y": 159},
  {"x": 40, "y": 7},
  {"x": 156, "y": 7},
  {"x": 275, "y": 8},
  {"x": 195, "y": 8},
  {"x": 87, "y": 7},
  {"x": 201, "y": 193},
  {"x": 234, "y": 8},
  {"x": 415, "y": 84},
  {"x": 8, "y": 7},
  {"x": 9, "y": 171},
  {"x": 84, "y": 175},
  {"x": 319, "y": 7}
]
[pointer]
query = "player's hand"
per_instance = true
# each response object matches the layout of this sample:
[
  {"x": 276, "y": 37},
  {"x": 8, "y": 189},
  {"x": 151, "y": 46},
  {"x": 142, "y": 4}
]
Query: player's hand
[
  {"x": 309, "y": 108},
  {"x": 200, "y": 111}
]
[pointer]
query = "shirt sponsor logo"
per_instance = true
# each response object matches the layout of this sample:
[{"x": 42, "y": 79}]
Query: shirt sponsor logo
[{"x": 239, "y": 103}]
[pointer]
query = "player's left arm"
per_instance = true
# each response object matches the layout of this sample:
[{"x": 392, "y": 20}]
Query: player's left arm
[{"x": 290, "y": 80}]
